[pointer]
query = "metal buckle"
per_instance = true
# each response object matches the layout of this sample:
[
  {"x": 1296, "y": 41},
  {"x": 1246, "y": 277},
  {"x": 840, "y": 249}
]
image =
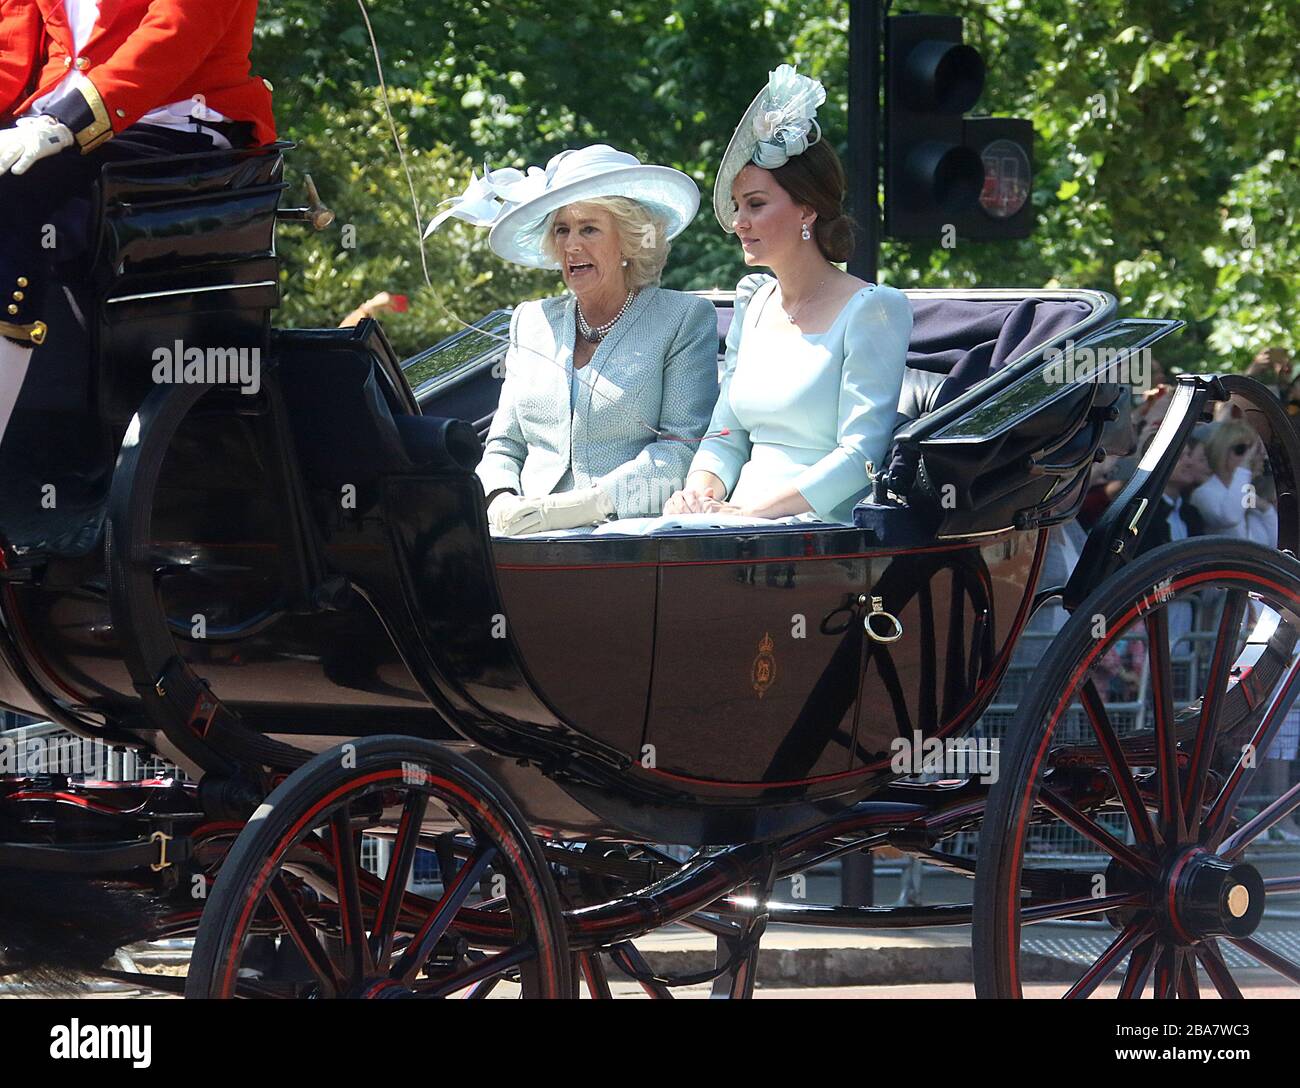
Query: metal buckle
[{"x": 162, "y": 839}]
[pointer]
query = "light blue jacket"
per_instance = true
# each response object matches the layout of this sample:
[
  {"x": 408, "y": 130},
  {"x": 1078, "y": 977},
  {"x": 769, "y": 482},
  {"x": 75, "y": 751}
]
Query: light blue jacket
[
  {"x": 811, "y": 410},
  {"x": 657, "y": 370}
]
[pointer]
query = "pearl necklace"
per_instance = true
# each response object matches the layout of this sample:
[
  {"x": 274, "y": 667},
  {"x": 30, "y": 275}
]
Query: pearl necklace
[{"x": 596, "y": 335}]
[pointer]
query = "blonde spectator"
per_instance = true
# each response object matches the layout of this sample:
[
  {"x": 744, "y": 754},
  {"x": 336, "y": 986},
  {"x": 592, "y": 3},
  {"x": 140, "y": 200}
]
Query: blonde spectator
[{"x": 1230, "y": 502}]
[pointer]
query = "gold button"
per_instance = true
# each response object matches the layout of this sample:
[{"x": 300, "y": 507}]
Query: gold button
[
  {"x": 120, "y": 113},
  {"x": 18, "y": 296},
  {"x": 13, "y": 309},
  {"x": 82, "y": 64},
  {"x": 67, "y": 62},
  {"x": 22, "y": 281}
]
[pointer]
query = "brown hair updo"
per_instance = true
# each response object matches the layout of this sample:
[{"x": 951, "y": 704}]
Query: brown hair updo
[{"x": 816, "y": 178}]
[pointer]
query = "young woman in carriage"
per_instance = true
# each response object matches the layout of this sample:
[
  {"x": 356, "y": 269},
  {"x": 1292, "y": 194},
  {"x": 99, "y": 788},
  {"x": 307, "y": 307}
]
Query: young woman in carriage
[{"x": 815, "y": 356}]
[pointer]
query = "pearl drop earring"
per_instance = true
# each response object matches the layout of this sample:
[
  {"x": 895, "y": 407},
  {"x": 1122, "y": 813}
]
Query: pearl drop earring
[
  {"x": 625, "y": 264},
  {"x": 805, "y": 233}
]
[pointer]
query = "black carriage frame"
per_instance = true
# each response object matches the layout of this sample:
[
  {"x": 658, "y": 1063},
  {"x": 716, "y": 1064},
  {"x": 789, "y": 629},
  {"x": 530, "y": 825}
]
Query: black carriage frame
[{"x": 479, "y": 686}]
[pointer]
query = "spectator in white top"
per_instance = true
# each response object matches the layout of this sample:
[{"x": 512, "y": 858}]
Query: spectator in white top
[{"x": 1230, "y": 502}]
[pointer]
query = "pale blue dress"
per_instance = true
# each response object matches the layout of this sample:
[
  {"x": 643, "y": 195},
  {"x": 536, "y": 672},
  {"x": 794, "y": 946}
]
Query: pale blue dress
[{"x": 813, "y": 409}]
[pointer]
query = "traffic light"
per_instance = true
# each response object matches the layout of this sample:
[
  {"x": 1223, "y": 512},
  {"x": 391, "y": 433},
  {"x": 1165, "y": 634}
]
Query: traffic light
[{"x": 945, "y": 174}]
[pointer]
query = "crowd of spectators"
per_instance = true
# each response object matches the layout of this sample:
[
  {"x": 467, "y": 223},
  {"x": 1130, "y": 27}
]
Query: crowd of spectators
[{"x": 1222, "y": 484}]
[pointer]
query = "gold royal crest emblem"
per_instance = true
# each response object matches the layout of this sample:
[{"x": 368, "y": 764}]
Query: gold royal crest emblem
[{"x": 764, "y": 669}]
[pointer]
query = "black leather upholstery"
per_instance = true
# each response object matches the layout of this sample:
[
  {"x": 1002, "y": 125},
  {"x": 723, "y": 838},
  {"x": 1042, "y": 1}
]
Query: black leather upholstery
[{"x": 957, "y": 343}]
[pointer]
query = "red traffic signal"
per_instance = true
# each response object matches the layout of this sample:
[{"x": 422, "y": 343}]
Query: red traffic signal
[{"x": 945, "y": 174}]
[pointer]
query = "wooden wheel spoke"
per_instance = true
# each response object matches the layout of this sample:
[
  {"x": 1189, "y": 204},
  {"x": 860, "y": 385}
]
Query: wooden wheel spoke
[
  {"x": 1089, "y": 828},
  {"x": 1216, "y": 689},
  {"x": 1139, "y": 968},
  {"x": 1279, "y": 809},
  {"x": 1122, "y": 774},
  {"x": 1212, "y": 960},
  {"x": 1189, "y": 987},
  {"x": 1166, "y": 973},
  {"x": 395, "y": 880},
  {"x": 435, "y": 925},
  {"x": 303, "y": 935},
  {"x": 352, "y": 922},
  {"x": 487, "y": 968},
  {"x": 1132, "y": 934},
  {"x": 1265, "y": 955},
  {"x": 1217, "y": 820},
  {"x": 483, "y": 989},
  {"x": 1166, "y": 734},
  {"x": 1036, "y": 911},
  {"x": 303, "y": 908}
]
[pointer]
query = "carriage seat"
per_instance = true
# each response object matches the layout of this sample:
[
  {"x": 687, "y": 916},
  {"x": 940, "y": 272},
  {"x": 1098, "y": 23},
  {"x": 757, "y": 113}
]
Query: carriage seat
[
  {"x": 181, "y": 249},
  {"x": 955, "y": 345},
  {"x": 184, "y": 252}
]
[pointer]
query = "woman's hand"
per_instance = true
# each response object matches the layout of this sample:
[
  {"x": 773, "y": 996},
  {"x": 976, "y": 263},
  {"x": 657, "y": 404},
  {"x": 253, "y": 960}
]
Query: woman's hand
[
  {"x": 701, "y": 487},
  {"x": 713, "y": 506},
  {"x": 1244, "y": 459},
  {"x": 501, "y": 511},
  {"x": 690, "y": 501},
  {"x": 1258, "y": 457},
  {"x": 565, "y": 510}
]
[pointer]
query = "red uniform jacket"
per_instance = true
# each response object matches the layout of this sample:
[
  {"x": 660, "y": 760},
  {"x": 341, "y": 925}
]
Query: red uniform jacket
[{"x": 142, "y": 54}]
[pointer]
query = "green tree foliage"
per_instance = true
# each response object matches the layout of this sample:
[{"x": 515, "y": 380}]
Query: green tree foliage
[{"x": 1168, "y": 133}]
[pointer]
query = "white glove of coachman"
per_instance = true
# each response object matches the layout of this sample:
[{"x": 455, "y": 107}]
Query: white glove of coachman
[
  {"x": 513, "y": 515},
  {"x": 30, "y": 140}
]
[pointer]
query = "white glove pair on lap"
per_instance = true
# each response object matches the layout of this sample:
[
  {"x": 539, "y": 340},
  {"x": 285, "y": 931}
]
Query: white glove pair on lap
[
  {"x": 513, "y": 515},
  {"x": 30, "y": 140}
]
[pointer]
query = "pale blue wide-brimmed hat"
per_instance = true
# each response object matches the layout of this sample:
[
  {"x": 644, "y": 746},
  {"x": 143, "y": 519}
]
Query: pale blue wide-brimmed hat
[{"x": 517, "y": 205}]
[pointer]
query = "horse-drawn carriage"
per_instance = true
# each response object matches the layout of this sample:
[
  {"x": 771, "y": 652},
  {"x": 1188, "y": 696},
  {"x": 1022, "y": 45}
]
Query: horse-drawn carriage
[{"x": 279, "y": 577}]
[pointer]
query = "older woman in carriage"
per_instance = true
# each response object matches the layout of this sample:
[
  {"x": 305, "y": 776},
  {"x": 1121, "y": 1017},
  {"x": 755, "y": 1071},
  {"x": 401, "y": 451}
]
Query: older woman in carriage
[{"x": 608, "y": 387}]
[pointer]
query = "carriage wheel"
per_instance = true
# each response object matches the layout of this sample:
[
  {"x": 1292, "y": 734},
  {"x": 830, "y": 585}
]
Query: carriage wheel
[
  {"x": 304, "y": 874},
  {"x": 1143, "y": 828}
]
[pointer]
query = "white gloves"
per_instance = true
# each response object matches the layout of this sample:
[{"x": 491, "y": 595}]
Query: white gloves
[
  {"x": 511, "y": 515},
  {"x": 30, "y": 140}
]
